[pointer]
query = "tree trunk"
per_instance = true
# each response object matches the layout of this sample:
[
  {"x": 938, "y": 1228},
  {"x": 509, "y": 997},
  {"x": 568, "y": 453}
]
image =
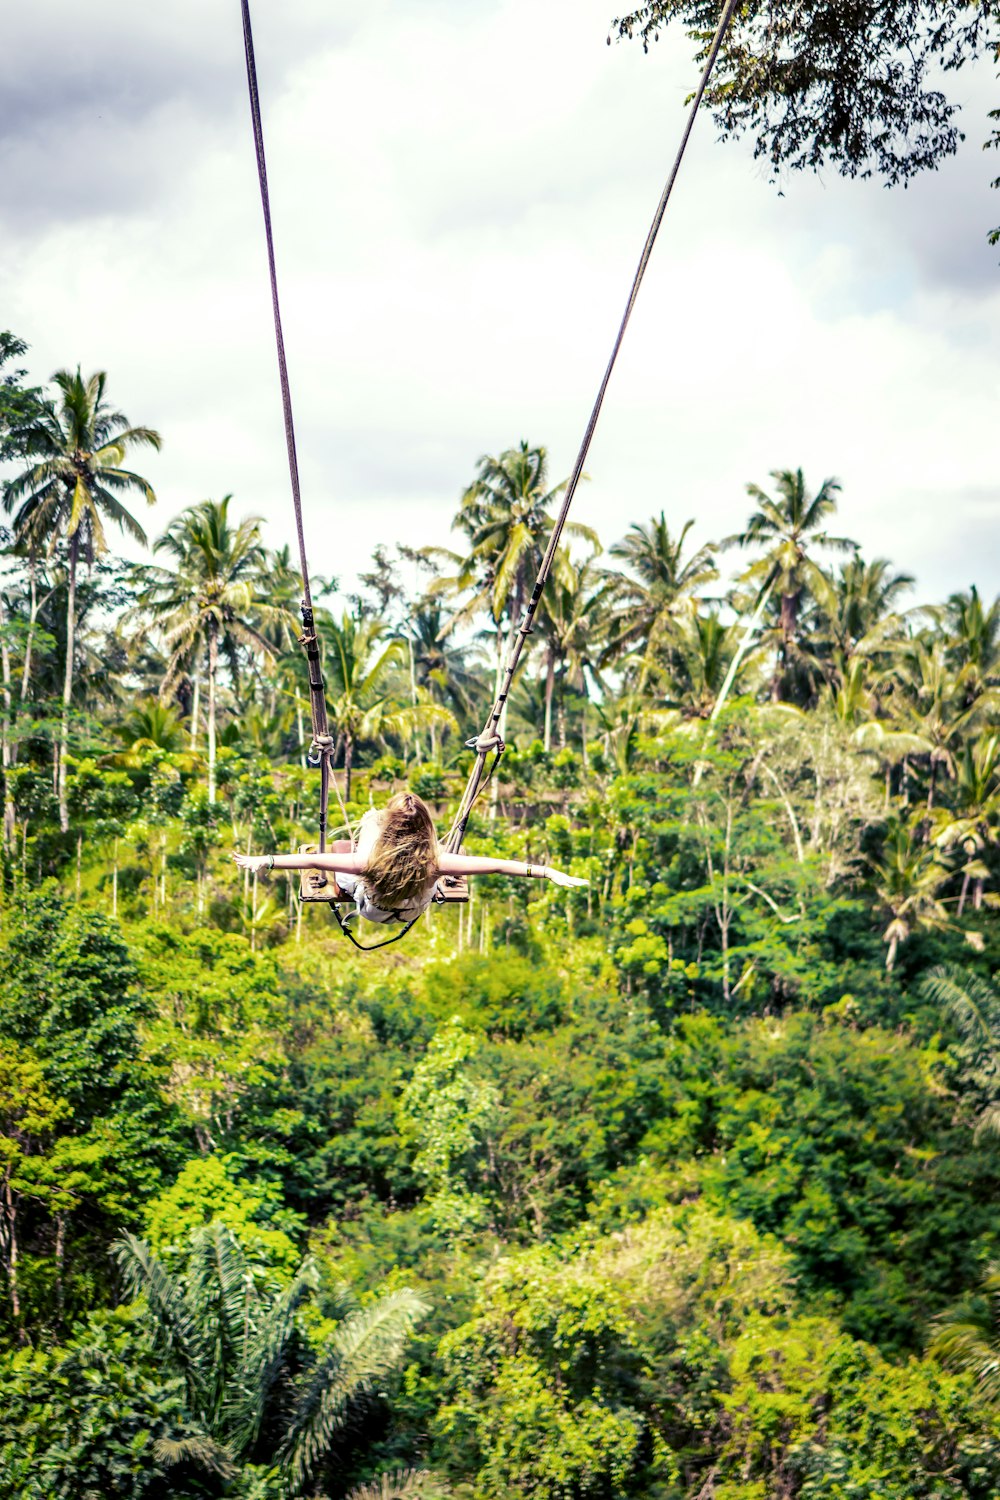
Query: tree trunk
[
  {"x": 5, "y": 733},
  {"x": 561, "y": 713},
  {"x": 195, "y": 704},
  {"x": 11, "y": 1247},
  {"x": 74, "y": 552},
  {"x": 964, "y": 892},
  {"x": 890, "y": 957},
  {"x": 32, "y": 617},
  {"x": 213, "y": 671},
  {"x": 300, "y": 730},
  {"x": 348, "y": 757},
  {"x": 60, "y": 1265},
  {"x": 550, "y": 682}
]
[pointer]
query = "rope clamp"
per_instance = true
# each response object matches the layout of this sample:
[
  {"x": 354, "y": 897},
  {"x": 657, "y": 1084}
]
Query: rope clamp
[
  {"x": 322, "y": 744},
  {"x": 483, "y": 744}
]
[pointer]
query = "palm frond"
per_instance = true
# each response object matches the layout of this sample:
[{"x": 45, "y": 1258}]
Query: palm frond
[
  {"x": 197, "y": 1449},
  {"x": 367, "y": 1346},
  {"x": 402, "y": 1484},
  {"x": 265, "y": 1357},
  {"x": 173, "y": 1327}
]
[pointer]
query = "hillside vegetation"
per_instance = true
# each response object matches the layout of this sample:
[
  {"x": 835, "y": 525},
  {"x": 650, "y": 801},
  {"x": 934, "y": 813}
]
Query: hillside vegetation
[{"x": 679, "y": 1186}]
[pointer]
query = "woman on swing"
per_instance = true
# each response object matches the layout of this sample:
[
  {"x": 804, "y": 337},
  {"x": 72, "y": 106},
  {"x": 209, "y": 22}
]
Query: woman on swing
[{"x": 392, "y": 870}]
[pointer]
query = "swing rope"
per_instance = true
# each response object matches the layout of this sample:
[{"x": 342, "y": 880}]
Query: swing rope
[
  {"x": 490, "y": 741},
  {"x": 321, "y": 747}
]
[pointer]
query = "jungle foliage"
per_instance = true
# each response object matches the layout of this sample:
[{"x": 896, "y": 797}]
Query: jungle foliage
[{"x": 681, "y": 1185}]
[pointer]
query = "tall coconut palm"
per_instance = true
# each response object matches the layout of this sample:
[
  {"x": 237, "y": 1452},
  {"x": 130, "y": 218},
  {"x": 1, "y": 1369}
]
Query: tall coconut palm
[
  {"x": 788, "y": 527},
  {"x": 659, "y": 588},
  {"x": 79, "y": 444},
  {"x": 210, "y": 606},
  {"x": 505, "y": 515},
  {"x": 256, "y": 1384}
]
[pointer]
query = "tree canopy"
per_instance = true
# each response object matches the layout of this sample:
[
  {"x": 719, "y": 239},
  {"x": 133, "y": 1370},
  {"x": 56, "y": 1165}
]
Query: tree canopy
[{"x": 865, "y": 86}]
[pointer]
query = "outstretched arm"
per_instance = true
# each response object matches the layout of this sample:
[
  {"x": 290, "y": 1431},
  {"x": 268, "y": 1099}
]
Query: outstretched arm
[
  {"x": 476, "y": 864},
  {"x": 346, "y": 863}
]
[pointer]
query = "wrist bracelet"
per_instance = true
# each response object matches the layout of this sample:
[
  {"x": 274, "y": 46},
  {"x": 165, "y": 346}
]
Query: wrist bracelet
[{"x": 270, "y": 862}]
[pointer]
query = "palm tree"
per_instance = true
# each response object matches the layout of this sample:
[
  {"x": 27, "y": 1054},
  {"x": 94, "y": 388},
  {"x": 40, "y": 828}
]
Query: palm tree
[
  {"x": 787, "y": 527},
  {"x": 152, "y": 726},
  {"x": 208, "y": 606},
  {"x": 404, "y": 1484},
  {"x": 289, "y": 675},
  {"x": 572, "y": 624},
  {"x": 79, "y": 447},
  {"x": 359, "y": 663},
  {"x": 856, "y": 624},
  {"x": 969, "y": 1339},
  {"x": 663, "y": 589},
  {"x": 255, "y": 1383},
  {"x": 975, "y": 637},
  {"x": 930, "y": 701},
  {"x": 863, "y": 596},
  {"x": 974, "y": 1006},
  {"x": 702, "y": 653},
  {"x": 972, "y": 823},
  {"x": 441, "y": 668},
  {"x": 505, "y": 516},
  {"x": 907, "y": 879}
]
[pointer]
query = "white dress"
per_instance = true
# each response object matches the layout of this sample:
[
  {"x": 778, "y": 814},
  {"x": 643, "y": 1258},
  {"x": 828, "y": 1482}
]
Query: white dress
[{"x": 354, "y": 885}]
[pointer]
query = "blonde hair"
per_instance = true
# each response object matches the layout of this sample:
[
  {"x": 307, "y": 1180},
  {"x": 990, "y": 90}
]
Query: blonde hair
[{"x": 403, "y": 862}]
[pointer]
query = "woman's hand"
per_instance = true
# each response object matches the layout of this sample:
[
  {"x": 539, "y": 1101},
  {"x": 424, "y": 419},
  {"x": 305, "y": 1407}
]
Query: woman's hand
[
  {"x": 559, "y": 878},
  {"x": 252, "y": 862}
]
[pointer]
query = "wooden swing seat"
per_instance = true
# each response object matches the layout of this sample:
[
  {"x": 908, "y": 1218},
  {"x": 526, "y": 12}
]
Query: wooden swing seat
[{"x": 321, "y": 885}]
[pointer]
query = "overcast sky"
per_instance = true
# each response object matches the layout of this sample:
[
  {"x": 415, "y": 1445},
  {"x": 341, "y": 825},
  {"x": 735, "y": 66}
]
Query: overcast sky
[{"x": 460, "y": 191}]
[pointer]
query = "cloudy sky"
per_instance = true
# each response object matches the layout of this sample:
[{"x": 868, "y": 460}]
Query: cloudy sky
[{"x": 460, "y": 190}]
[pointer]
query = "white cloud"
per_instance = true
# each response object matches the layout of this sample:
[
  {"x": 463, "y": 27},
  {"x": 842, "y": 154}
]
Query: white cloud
[{"x": 460, "y": 196}]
